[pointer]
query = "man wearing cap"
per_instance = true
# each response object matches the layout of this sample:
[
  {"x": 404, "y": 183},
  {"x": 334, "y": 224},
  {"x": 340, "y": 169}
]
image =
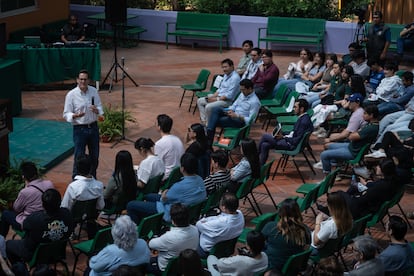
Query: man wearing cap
[{"x": 378, "y": 38}]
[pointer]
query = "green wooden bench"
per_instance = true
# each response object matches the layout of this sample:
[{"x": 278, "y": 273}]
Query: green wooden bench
[
  {"x": 199, "y": 25},
  {"x": 290, "y": 30},
  {"x": 132, "y": 35}
]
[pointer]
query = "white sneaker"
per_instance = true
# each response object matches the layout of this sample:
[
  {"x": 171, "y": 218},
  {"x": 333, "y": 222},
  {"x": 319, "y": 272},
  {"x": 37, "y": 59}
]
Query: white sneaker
[
  {"x": 376, "y": 154},
  {"x": 318, "y": 165},
  {"x": 362, "y": 171}
]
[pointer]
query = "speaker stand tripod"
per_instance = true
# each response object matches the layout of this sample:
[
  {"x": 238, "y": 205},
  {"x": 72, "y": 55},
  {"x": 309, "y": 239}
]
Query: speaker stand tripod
[
  {"x": 122, "y": 138},
  {"x": 115, "y": 64}
]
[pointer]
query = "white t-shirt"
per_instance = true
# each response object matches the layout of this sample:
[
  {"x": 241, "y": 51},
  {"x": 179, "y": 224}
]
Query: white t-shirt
[
  {"x": 170, "y": 149},
  {"x": 237, "y": 265},
  {"x": 150, "y": 167},
  {"x": 328, "y": 231}
]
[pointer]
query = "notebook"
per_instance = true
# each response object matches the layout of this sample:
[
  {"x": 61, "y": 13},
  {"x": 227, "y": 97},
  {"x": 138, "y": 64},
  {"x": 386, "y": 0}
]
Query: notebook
[{"x": 32, "y": 41}]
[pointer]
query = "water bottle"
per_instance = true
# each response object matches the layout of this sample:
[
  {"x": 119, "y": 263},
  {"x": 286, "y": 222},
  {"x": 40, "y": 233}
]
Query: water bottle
[{"x": 354, "y": 181}]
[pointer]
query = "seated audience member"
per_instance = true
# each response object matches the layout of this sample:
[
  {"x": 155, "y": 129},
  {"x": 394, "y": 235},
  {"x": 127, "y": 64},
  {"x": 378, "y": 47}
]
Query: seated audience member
[
  {"x": 398, "y": 103},
  {"x": 225, "y": 94},
  {"x": 359, "y": 64},
  {"x": 241, "y": 112},
  {"x": 286, "y": 237},
  {"x": 355, "y": 122},
  {"x": 28, "y": 201},
  {"x": 151, "y": 166},
  {"x": 122, "y": 186},
  {"x": 399, "y": 255},
  {"x": 253, "y": 64},
  {"x": 266, "y": 76},
  {"x": 282, "y": 141},
  {"x": 352, "y": 47},
  {"x": 376, "y": 193},
  {"x": 255, "y": 261},
  {"x": 127, "y": 249},
  {"x": 169, "y": 148},
  {"x": 365, "y": 249},
  {"x": 311, "y": 77},
  {"x": 406, "y": 40},
  {"x": 220, "y": 176},
  {"x": 247, "y": 167},
  {"x": 190, "y": 264},
  {"x": 72, "y": 31},
  {"x": 348, "y": 150},
  {"x": 199, "y": 148},
  {"x": 375, "y": 77},
  {"x": 181, "y": 236},
  {"x": 334, "y": 226},
  {"x": 396, "y": 121},
  {"x": 225, "y": 226},
  {"x": 296, "y": 70},
  {"x": 84, "y": 187},
  {"x": 390, "y": 86},
  {"x": 244, "y": 60},
  {"x": 54, "y": 223},
  {"x": 190, "y": 190}
]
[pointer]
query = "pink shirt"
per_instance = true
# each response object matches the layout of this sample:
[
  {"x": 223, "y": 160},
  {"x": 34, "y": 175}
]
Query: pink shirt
[
  {"x": 29, "y": 199},
  {"x": 356, "y": 121}
]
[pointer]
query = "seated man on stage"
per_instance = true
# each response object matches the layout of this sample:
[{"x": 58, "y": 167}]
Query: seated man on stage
[
  {"x": 72, "y": 31},
  {"x": 239, "y": 114}
]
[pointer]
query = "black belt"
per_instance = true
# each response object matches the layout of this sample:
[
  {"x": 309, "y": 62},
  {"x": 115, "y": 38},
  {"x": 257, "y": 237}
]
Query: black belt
[{"x": 94, "y": 124}]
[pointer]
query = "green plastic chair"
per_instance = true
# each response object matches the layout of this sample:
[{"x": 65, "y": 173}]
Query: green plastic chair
[
  {"x": 116, "y": 209},
  {"x": 273, "y": 112},
  {"x": 396, "y": 201},
  {"x": 260, "y": 223},
  {"x": 153, "y": 186},
  {"x": 203, "y": 94},
  {"x": 296, "y": 263},
  {"x": 175, "y": 176},
  {"x": 50, "y": 253},
  {"x": 286, "y": 154},
  {"x": 213, "y": 200},
  {"x": 308, "y": 200},
  {"x": 358, "y": 160},
  {"x": 90, "y": 247},
  {"x": 194, "y": 211},
  {"x": 331, "y": 248},
  {"x": 324, "y": 185},
  {"x": 278, "y": 99},
  {"x": 291, "y": 120},
  {"x": 264, "y": 176},
  {"x": 379, "y": 216},
  {"x": 234, "y": 143},
  {"x": 150, "y": 226},
  {"x": 84, "y": 211},
  {"x": 244, "y": 190},
  {"x": 199, "y": 85}
]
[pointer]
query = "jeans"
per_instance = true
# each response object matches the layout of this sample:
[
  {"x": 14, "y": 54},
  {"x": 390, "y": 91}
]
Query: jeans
[
  {"x": 396, "y": 121},
  {"x": 219, "y": 118},
  {"x": 84, "y": 136},
  {"x": 206, "y": 108},
  {"x": 388, "y": 107},
  {"x": 138, "y": 210},
  {"x": 311, "y": 97},
  {"x": 335, "y": 152},
  {"x": 8, "y": 218},
  {"x": 404, "y": 43}
]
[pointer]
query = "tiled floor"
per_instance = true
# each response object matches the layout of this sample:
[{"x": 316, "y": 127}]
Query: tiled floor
[{"x": 160, "y": 73}]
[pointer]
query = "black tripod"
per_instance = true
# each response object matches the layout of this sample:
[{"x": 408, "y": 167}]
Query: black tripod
[
  {"x": 123, "y": 109},
  {"x": 116, "y": 65}
]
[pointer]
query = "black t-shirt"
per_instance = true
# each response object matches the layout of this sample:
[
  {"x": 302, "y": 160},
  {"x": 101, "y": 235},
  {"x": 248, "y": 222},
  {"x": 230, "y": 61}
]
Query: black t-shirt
[{"x": 40, "y": 227}]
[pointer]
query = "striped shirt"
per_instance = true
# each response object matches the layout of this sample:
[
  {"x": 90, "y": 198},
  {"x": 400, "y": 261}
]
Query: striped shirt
[{"x": 217, "y": 180}]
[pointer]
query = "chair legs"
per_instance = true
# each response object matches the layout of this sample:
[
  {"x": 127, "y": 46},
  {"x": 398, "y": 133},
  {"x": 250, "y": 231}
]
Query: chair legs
[
  {"x": 404, "y": 215},
  {"x": 182, "y": 97}
]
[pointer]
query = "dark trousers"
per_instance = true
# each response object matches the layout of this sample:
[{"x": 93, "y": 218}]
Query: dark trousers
[
  {"x": 8, "y": 218},
  {"x": 86, "y": 137}
]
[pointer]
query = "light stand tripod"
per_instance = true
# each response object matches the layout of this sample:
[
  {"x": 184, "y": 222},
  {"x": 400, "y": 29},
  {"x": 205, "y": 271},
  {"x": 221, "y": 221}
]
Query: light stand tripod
[
  {"x": 123, "y": 109},
  {"x": 116, "y": 65}
]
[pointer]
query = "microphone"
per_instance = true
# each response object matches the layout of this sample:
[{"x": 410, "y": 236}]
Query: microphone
[{"x": 93, "y": 100}]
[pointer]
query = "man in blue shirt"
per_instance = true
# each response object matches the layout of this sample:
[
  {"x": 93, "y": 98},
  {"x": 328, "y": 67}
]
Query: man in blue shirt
[
  {"x": 240, "y": 113},
  {"x": 224, "y": 95},
  {"x": 189, "y": 191}
]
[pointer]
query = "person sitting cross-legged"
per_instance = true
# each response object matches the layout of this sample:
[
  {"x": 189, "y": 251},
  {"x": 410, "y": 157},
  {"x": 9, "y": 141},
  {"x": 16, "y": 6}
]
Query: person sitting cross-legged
[
  {"x": 240, "y": 113},
  {"x": 190, "y": 190},
  {"x": 399, "y": 255},
  {"x": 291, "y": 140}
]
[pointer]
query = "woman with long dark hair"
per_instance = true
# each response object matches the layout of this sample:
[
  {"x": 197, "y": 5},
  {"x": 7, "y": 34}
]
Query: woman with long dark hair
[
  {"x": 286, "y": 237},
  {"x": 249, "y": 165},
  {"x": 199, "y": 148},
  {"x": 123, "y": 182}
]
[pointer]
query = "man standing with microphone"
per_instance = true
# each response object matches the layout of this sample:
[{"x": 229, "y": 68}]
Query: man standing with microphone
[{"x": 82, "y": 108}]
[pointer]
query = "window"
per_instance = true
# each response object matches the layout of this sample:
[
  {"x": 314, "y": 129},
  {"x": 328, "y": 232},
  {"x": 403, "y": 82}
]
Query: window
[{"x": 13, "y": 7}]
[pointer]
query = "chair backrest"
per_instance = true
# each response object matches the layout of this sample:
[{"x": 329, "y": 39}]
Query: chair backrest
[
  {"x": 153, "y": 186},
  {"x": 175, "y": 176},
  {"x": 102, "y": 238},
  {"x": 213, "y": 200},
  {"x": 261, "y": 224},
  {"x": 361, "y": 153},
  {"x": 84, "y": 210},
  {"x": 397, "y": 197},
  {"x": 379, "y": 215},
  {"x": 296, "y": 263},
  {"x": 224, "y": 248},
  {"x": 281, "y": 93},
  {"x": 49, "y": 253},
  {"x": 330, "y": 247},
  {"x": 301, "y": 145},
  {"x": 245, "y": 188},
  {"x": 264, "y": 173},
  {"x": 358, "y": 228},
  {"x": 150, "y": 226},
  {"x": 327, "y": 182},
  {"x": 194, "y": 211},
  {"x": 203, "y": 78},
  {"x": 309, "y": 199}
]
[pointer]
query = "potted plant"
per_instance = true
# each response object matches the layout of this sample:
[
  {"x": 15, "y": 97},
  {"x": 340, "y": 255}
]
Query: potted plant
[{"x": 110, "y": 126}]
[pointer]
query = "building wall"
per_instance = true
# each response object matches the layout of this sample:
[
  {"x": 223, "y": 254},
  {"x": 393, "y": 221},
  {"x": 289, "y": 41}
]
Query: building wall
[
  {"x": 396, "y": 11},
  {"x": 47, "y": 11}
]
